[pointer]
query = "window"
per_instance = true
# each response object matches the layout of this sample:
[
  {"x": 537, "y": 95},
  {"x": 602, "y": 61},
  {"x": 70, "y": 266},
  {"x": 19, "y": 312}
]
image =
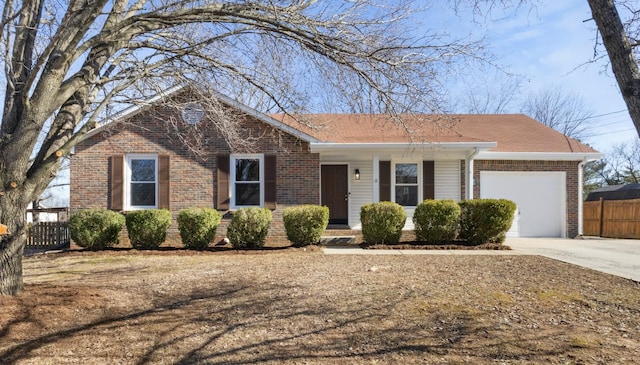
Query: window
[
  {"x": 247, "y": 181},
  {"x": 141, "y": 188},
  {"x": 406, "y": 184}
]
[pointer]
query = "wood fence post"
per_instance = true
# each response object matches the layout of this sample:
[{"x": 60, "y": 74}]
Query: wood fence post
[{"x": 601, "y": 208}]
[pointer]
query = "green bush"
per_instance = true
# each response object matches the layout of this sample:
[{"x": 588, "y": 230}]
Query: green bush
[
  {"x": 96, "y": 229},
  {"x": 147, "y": 228},
  {"x": 382, "y": 222},
  {"x": 249, "y": 227},
  {"x": 198, "y": 227},
  {"x": 486, "y": 220},
  {"x": 305, "y": 224},
  {"x": 436, "y": 221}
]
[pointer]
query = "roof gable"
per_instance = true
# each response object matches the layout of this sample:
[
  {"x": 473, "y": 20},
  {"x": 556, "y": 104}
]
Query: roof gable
[{"x": 174, "y": 91}]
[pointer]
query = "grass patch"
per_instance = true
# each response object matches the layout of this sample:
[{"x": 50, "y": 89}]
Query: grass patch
[
  {"x": 553, "y": 296},
  {"x": 292, "y": 307},
  {"x": 580, "y": 342}
]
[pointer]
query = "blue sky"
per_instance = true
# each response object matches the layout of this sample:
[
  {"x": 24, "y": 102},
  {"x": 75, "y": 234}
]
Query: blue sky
[{"x": 550, "y": 45}]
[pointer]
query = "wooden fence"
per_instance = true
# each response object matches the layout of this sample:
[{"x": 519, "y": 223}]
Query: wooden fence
[
  {"x": 611, "y": 218},
  {"x": 48, "y": 235}
]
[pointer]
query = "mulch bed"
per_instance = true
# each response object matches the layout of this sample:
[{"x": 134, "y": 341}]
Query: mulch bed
[{"x": 417, "y": 245}]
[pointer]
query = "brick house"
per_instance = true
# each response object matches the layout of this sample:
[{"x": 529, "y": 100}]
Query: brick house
[{"x": 141, "y": 159}]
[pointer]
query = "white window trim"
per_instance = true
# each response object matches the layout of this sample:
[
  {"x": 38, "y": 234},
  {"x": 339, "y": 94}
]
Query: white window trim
[
  {"x": 127, "y": 181},
  {"x": 232, "y": 178},
  {"x": 393, "y": 180}
]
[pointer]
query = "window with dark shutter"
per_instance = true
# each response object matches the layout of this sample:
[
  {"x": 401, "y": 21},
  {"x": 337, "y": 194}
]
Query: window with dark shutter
[
  {"x": 246, "y": 180},
  {"x": 141, "y": 181},
  {"x": 405, "y": 179}
]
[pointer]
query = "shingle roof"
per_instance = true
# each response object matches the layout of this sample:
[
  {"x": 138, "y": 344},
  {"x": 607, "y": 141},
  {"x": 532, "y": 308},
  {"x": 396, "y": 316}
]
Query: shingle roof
[
  {"x": 512, "y": 132},
  {"x": 616, "y": 192}
]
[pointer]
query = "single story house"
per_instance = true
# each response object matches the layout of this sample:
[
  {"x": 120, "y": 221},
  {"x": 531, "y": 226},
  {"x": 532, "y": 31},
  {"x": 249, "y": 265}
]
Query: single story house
[{"x": 142, "y": 158}]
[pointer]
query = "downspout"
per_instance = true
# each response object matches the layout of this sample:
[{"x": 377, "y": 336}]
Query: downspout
[
  {"x": 580, "y": 194},
  {"x": 468, "y": 163}
]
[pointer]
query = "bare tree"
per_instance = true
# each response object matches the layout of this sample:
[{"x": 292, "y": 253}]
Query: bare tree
[
  {"x": 67, "y": 63},
  {"x": 626, "y": 162},
  {"x": 620, "y": 36},
  {"x": 621, "y": 39},
  {"x": 620, "y": 166},
  {"x": 553, "y": 106},
  {"x": 492, "y": 95},
  {"x": 561, "y": 110}
]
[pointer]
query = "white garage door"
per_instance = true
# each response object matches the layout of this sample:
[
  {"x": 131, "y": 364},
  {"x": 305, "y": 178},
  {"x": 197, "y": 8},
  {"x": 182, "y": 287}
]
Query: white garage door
[{"x": 540, "y": 197}]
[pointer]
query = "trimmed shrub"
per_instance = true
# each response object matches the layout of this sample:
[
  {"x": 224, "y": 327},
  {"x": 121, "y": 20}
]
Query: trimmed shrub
[
  {"x": 249, "y": 227},
  {"x": 305, "y": 224},
  {"x": 198, "y": 227},
  {"x": 148, "y": 228},
  {"x": 436, "y": 221},
  {"x": 96, "y": 229},
  {"x": 382, "y": 222},
  {"x": 486, "y": 220}
]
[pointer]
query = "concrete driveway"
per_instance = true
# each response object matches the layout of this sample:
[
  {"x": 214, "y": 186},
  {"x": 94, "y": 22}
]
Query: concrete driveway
[{"x": 612, "y": 256}]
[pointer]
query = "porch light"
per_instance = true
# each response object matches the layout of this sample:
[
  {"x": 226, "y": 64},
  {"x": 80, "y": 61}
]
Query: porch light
[{"x": 357, "y": 175}]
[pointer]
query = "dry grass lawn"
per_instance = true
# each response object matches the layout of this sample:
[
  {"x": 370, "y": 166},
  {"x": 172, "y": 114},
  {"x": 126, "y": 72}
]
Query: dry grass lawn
[{"x": 302, "y": 307}]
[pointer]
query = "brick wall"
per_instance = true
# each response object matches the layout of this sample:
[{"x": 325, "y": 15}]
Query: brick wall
[
  {"x": 159, "y": 130},
  {"x": 570, "y": 167}
]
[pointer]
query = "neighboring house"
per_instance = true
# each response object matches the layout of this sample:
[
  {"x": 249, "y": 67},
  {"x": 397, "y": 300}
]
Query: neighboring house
[
  {"x": 42, "y": 214},
  {"x": 615, "y": 192},
  {"x": 343, "y": 162}
]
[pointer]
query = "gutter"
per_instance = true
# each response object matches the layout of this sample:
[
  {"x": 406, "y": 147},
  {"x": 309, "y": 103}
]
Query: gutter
[
  {"x": 439, "y": 146},
  {"x": 540, "y": 156}
]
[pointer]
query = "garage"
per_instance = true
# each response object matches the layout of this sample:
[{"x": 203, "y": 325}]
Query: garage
[{"x": 540, "y": 198}]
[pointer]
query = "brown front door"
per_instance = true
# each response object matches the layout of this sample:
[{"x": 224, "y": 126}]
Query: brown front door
[{"x": 334, "y": 191}]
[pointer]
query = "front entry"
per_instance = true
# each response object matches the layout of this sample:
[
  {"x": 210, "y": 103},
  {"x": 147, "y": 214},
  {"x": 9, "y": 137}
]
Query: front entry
[{"x": 334, "y": 192}]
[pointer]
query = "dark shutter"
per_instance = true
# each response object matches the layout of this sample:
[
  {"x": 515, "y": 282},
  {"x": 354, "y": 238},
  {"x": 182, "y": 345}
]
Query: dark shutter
[
  {"x": 223, "y": 182},
  {"x": 270, "y": 179},
  {"x": 385, "y": 180},
  {"x": 164, "y": 193},
  {"x": 117, "y": 182},
  {"x": 428, "y": 184}
]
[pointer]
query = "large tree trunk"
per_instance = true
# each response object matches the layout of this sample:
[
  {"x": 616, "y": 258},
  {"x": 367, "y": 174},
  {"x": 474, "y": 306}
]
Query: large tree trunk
[
  {"x": 11, "y": 251},
  {"x": 12, "y": 214},
  {"x": 620, "y": 51}
]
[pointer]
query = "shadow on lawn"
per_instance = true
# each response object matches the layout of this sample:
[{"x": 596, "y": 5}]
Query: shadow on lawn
[{"x": 239, "y": 322}]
